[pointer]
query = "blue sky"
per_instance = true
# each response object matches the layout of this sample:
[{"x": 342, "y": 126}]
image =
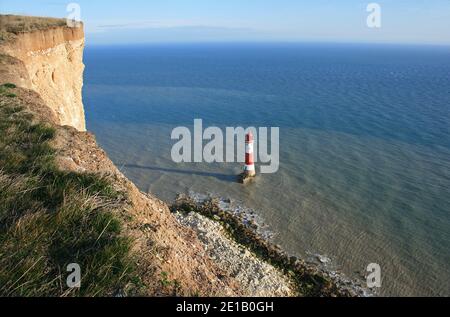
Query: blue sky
[{"x": 138, "y": 21}]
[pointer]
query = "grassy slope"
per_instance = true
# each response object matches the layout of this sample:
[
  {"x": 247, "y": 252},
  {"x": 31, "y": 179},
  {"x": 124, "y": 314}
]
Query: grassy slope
[{"x": 50, "y": 218}]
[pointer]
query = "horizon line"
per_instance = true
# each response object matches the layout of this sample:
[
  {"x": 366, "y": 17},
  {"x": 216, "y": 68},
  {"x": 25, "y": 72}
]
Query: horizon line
[{"x": 337, "y": 42}]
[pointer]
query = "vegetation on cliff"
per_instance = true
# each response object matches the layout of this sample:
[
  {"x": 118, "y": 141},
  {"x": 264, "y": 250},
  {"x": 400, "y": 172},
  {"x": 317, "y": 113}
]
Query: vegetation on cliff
[
  {"x": 50, "y": 218},
  {"x": 10, "y": 25}
]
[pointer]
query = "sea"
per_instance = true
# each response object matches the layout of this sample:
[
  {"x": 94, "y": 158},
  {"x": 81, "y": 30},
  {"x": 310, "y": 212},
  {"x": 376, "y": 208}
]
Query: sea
[{"x": 364, "y": 171}]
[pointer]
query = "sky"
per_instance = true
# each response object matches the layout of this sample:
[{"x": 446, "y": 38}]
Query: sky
[{"x": 147, "y": 21}]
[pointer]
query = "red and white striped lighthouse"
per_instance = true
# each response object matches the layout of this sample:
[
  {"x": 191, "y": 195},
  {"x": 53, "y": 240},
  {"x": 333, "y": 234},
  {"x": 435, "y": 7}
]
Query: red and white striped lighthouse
[{"x": 249, "y": 169}]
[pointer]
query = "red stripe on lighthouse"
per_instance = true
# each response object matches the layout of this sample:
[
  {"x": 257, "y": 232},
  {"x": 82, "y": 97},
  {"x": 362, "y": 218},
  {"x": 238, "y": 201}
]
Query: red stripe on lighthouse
[{"x": 249, "y": 157}]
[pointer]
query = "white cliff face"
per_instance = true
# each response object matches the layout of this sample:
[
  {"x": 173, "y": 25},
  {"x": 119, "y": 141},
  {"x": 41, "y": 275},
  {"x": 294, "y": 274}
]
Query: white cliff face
[{"x": 53, "y": 59}]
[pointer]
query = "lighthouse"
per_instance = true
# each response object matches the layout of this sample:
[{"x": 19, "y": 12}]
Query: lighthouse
[{"x": 249, "y": 168}]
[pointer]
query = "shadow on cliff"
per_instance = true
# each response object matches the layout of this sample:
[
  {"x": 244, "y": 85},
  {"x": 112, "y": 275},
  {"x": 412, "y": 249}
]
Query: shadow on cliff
[{"x": 219, "y": 176}]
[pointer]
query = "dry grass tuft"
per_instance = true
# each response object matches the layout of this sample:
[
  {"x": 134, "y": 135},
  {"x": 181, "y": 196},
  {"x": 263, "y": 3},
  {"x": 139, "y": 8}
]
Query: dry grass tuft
[{"x": 10, "y": 25}]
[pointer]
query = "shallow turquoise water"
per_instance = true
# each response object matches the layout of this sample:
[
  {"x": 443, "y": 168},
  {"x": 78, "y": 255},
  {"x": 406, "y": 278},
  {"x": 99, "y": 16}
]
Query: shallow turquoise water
[{"x": 365, "y": 144}]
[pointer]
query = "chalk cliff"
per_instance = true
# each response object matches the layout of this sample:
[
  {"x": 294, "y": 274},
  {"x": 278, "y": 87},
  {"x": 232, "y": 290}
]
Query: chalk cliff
[{"x": 52, "y": 65}]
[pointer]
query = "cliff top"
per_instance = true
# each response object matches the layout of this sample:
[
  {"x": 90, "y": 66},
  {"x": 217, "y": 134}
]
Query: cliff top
[
  {"x": 20, "y": 23},
  {"x": 11, "y": 25}
]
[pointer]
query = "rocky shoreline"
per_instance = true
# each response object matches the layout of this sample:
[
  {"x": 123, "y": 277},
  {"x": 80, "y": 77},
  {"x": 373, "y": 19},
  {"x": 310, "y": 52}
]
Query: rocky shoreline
[
  {"x": 235, "y": 239},
  {"x": 255, "y": 276}
]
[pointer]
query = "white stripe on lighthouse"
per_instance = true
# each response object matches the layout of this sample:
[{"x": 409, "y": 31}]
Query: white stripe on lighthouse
[
  {"x": 249, "y": 158},
  {"x": 250, "y": 167}
]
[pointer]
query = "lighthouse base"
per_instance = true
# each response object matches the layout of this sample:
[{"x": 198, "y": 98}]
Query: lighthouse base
[{"x": 245, "y": 177}]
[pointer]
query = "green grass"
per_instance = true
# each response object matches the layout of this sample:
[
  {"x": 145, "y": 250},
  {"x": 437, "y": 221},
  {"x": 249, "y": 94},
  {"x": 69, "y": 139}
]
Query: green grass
[
  {"x": 50, "y": 218},
  {"x": 174, "y": 285},
  {"x": 9, "y": 85},
  {"x": 5, "y": 90}
]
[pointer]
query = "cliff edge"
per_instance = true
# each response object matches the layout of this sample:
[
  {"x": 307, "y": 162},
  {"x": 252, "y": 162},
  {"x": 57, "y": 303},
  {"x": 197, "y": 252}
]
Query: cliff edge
[{"x": 50, "y": 57}]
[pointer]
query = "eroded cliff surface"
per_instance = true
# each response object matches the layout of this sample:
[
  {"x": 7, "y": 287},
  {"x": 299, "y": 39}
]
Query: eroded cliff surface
[{"x": 50, "y": 61}]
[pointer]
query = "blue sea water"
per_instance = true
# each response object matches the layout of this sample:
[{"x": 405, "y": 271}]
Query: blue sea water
[{"x": 365, "y": 143}]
